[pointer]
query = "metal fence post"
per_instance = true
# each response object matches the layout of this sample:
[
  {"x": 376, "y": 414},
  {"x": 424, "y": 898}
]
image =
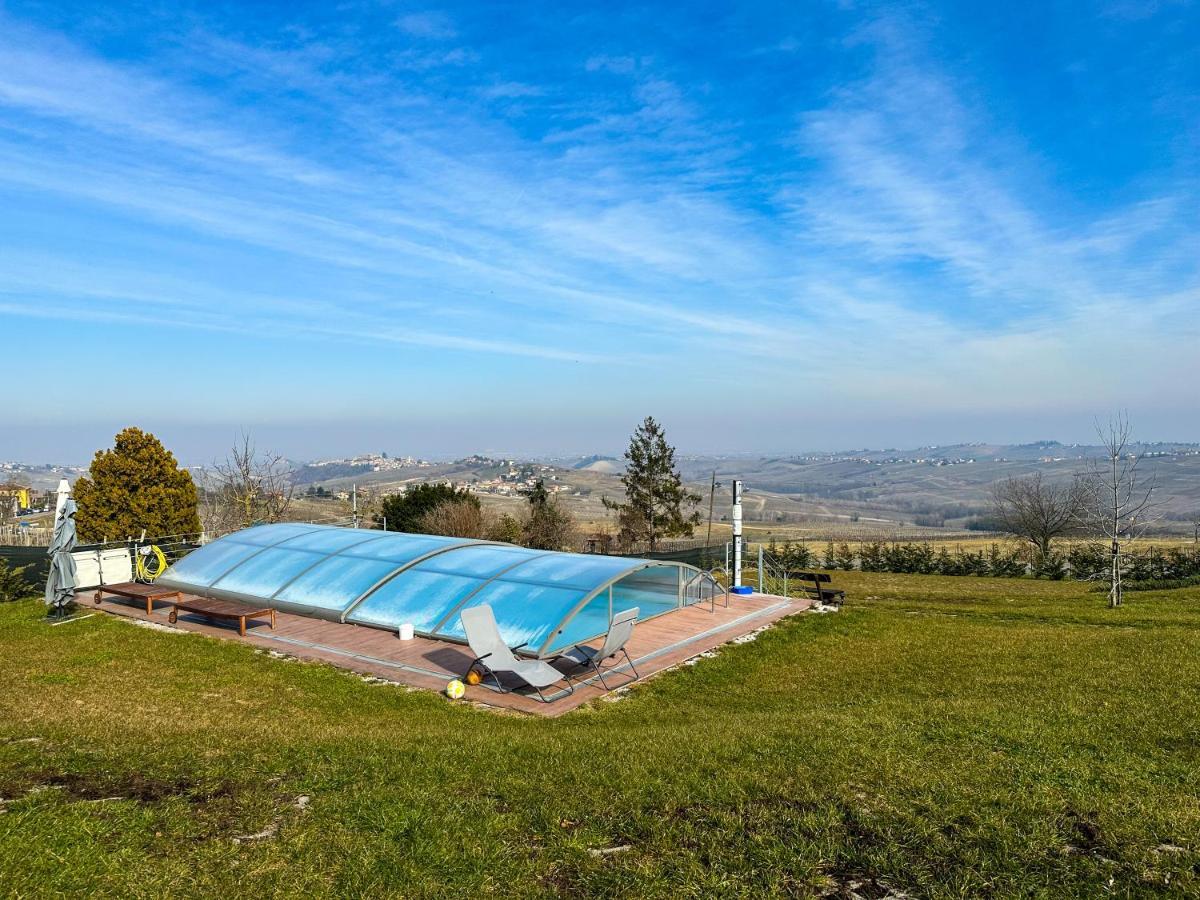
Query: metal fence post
[{"x": 760, "y": 568}]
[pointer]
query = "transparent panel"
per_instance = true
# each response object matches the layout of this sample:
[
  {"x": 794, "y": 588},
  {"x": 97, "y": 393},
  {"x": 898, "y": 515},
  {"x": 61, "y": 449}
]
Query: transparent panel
[
  {"x": 402, "y": 548},
  {"x": 421, "y": 598},
  {"x": 266, "y": 573},
  {"x": 590, "y": 622},
  {"x": 336, "y": 582},
  {"x": 652, "y": 591},
  {"x": 265, "y": 535},
  {"x": 330, "y": 540},
  {"x": 206, "y": 564},
  {"x": 577, "y": 570},
  {"x": 526, "y": 613},
  {"x": 479, "y": 561}
]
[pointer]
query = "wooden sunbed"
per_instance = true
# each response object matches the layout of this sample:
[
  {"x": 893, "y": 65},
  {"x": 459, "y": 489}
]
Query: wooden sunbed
[
  {"x": 221, "y": 609},
  {"x": 136, "y": 590}
]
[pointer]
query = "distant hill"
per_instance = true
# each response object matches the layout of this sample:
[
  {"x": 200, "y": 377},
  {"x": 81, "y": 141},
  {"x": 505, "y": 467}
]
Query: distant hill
[
  {"x": 314, "y": 474},
  {"x": 946, "y": 482},
  {"x": 39, "y": 476},
  {"x": 930, "y": 487},
  {"x": 606, "y": 465}
]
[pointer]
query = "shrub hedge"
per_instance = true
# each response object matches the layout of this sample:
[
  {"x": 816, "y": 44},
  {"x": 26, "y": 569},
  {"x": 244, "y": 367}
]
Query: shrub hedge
[{"x": 1082, "y": 561}]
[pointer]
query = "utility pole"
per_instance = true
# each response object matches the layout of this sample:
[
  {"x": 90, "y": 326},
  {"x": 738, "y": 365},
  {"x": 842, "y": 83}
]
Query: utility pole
[{"x": 712, "y": 496}]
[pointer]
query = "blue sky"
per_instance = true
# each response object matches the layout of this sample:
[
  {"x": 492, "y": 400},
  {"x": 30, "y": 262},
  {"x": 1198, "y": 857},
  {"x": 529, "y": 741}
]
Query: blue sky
[{"x": 439, "y": 229}]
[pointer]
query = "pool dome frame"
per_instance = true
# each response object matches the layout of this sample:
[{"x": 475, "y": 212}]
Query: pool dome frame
[{"x": 352, "y": 575}]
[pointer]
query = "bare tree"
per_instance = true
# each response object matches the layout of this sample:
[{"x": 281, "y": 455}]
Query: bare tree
[
  {"x": 1121, "y": 501},
  {"x": 548, "y": 525},
  {"x": 248, "y": 486},
  {"x": 503, "y": 527},
  {"x": 455, "y": 518},
  {"x": 1037, "y": 510}
]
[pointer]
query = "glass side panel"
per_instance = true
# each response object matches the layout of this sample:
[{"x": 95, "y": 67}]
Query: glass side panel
[
  {"x": 577, "y": 570},
  {"x": 330, "y": 540},
  {"x": 267, "y": 572},
  {"x": 265, "y": 535},
  {"x": 479, "y": 561},
  {"x": 336, "y": 582},
  {"x": 206, "y": 564},
  {"x": 401, "y": 548},
  {"x": 526, "y": 613},
  {"x": 590, "y": 622},
  {"x": 652, "y": 591},
  {"x": 421, "y": 598}
]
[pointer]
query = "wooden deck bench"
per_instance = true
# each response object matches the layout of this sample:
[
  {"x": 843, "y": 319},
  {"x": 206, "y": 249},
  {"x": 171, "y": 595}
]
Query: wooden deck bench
[
  {"x": 221, "y": 609},
  {"x": 136, "y": 590},
  {"x": 813, "y": 584}
]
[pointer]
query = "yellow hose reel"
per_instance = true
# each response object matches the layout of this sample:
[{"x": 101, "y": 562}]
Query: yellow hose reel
[{"x": 150, "y": 563}]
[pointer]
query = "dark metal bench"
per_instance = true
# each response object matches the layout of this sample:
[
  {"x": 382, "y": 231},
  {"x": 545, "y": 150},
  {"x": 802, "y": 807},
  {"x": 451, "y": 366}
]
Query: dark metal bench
[{"x": 813, "y": 584}]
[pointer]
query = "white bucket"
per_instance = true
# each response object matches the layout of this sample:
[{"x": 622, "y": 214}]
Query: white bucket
[{"x": 406, "y": 631}]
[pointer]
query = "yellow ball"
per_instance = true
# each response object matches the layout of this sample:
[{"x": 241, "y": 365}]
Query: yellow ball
[{"x": 456, "y": 690}]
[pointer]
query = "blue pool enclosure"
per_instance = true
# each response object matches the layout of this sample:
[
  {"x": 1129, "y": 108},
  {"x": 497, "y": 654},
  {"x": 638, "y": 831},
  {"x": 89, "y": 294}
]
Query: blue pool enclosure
[{"x": 544, "y": 600}]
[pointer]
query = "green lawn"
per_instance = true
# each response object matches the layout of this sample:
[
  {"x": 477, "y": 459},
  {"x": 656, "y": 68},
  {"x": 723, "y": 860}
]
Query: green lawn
[{"x": 952, "y": 737}]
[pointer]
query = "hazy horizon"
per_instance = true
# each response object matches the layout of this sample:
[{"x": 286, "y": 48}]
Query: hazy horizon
[
  {"x": 198, "y": 444},
  {"x": 443, "y": 230}
]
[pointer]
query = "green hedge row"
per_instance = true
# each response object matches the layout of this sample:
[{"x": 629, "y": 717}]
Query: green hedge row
[{"x": 1082, "y": 561}]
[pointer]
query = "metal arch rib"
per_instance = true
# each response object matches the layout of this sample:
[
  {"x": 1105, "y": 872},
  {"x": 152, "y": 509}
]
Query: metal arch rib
[
  {"x": 484, "y": 582},
  {"x": 322, "y": 557},
  {"x": 591, "y": 595},
  {"x": 404, "y": 567},
  {"x": 213, "y": 584}
]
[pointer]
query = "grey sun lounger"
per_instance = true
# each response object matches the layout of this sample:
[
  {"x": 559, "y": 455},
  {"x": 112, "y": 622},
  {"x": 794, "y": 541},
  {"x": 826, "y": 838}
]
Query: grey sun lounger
[
  {"x": 620, "y": 630},
  {"x": 494, "y": 656}
]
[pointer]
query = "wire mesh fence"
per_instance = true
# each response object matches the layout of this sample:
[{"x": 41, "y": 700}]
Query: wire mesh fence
[{"x": 33, "y": 558}]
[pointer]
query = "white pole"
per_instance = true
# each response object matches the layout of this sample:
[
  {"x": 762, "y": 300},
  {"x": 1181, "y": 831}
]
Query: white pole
[
  {"x": 737, "y": 532},
  {"x": 64, "y": 491},
  {"x": 354, "y": 496}
]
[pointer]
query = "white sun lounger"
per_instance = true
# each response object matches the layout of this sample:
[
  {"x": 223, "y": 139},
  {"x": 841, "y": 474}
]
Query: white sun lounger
[
  {"x": 620, "y": 630},
  {"x": 492, "y": 655}
]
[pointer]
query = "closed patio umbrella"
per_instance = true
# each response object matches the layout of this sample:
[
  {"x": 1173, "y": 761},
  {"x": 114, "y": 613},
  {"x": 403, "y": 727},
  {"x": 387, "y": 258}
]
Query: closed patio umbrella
[{"x": 60, "y": 586}]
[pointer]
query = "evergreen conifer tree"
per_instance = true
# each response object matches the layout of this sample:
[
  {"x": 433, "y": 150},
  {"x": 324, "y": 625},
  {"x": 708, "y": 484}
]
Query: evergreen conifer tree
[
  {"x": 134, "y": 486},
  {"x": 655, "y": 497}
]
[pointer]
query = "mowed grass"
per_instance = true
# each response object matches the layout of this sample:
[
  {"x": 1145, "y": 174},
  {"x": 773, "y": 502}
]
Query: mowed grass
[{"x": 950, "y": 737}]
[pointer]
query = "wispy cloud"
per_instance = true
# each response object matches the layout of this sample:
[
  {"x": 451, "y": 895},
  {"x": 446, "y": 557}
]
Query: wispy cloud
[
  {"x": 431, "y": 25},
  {"x": 349, "y": 231},
  {"x": 402, "y": 188},
  {"x": 619, "y": 65},
  {"x": 911, "y": 174},
  {"x": 507, "y": 90}
]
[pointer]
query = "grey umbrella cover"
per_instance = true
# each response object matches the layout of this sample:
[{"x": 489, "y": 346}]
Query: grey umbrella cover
[{"x": 60, "y": 586}]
